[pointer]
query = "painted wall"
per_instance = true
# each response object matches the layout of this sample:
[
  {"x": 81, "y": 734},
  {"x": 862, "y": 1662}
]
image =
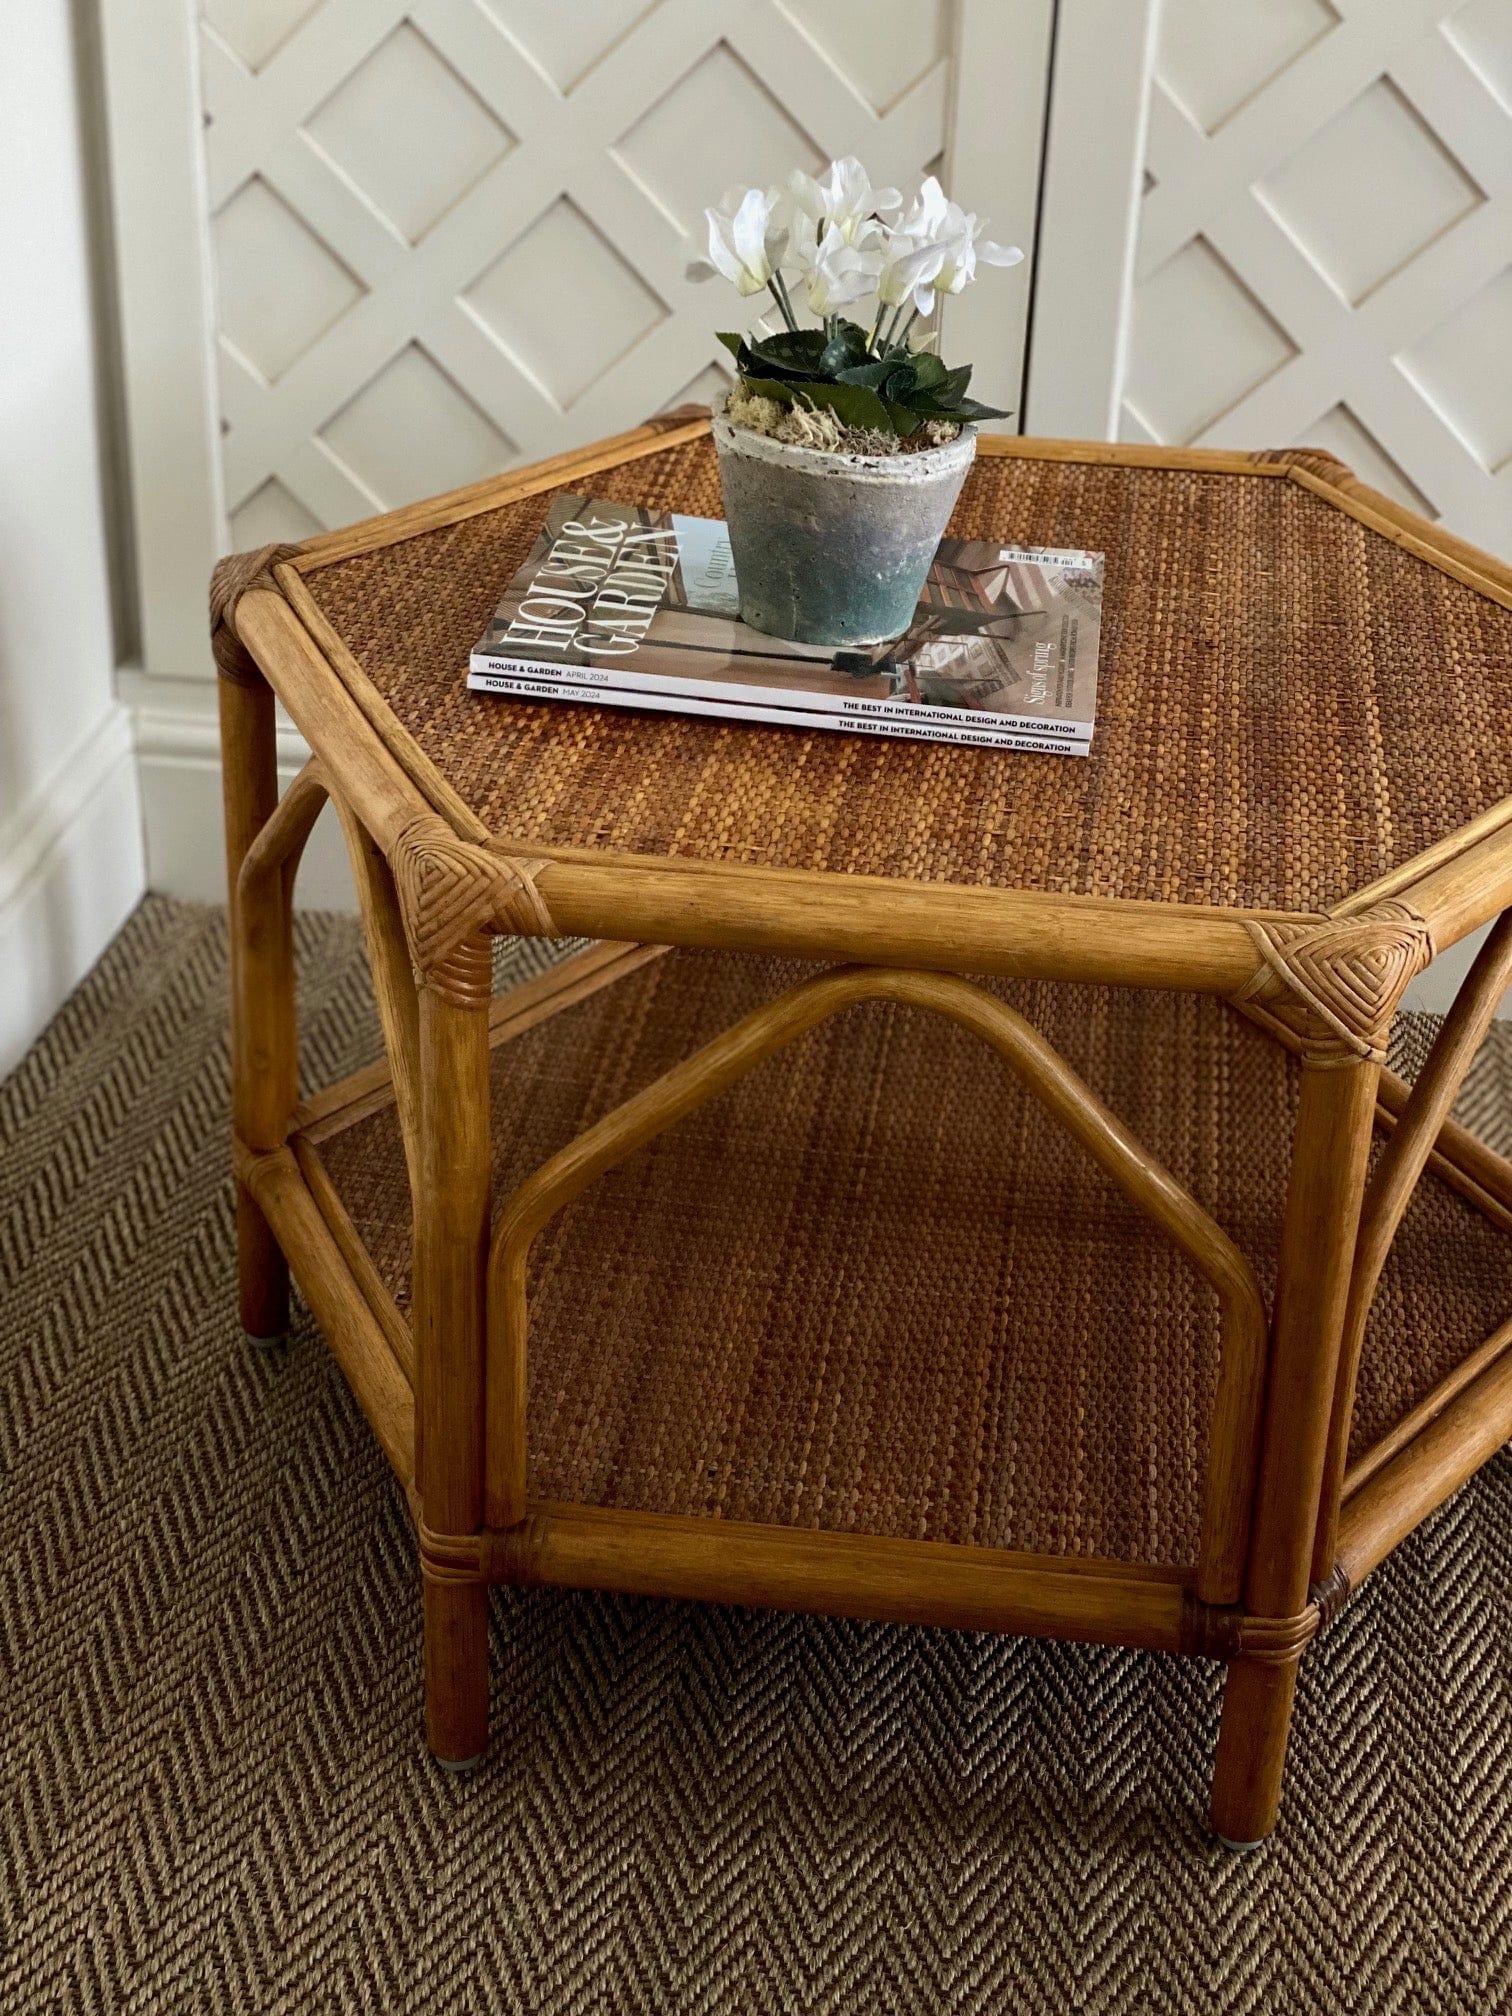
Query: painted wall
[{"x": 70, "y": 851}]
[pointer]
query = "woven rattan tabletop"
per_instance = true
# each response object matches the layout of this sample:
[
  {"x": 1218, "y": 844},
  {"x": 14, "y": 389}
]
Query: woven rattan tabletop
[{"x": 1301, "y": 689}]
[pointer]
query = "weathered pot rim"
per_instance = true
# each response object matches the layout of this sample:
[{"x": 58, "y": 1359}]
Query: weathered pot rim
[{"x": 926, "y": 465}]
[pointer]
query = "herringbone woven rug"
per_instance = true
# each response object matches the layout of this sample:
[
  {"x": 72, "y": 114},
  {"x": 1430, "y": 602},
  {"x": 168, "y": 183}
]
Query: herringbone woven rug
[{"x": 213, "y": 1790}]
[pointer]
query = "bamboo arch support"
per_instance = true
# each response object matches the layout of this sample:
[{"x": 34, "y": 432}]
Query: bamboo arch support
[
  {"x": 1391, "y": 1190},
  {"x": 266, "y": 1075},
  {"x": 394, "y": 988},
  {"x": 1234, "y": 1433},
  {"x": 280, "y": 845},
  {"x": 265, "y": 1045}
]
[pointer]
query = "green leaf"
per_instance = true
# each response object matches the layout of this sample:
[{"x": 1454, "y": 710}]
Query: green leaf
[
  {"x": 732, "y": 339},
  {"x": 769, "y": 388},
  {"x": 901, "y": 383},
  {"x": 791, "y": 353},
  {"x": 853, "y": 405},
  {"x": 873, "y": 375},
  {"x": 894, "y": 381},
  {"x": 973, "y": 409},
  {"x": 951, "y": 384},
  {"x": 846, "y": 350},
  {"x": 930, "y": 373}
]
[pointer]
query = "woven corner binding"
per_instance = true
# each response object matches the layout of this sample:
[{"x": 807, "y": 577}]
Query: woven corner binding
[
  {"x": 1216, "y": 1631},
  {"x": 1227, "y": 1631},
  {"x": 1340, "y": 978},
  {"x": 1331, "y": 1595},
  {"x": 230, "y": 580},
  {"x": 452, "y": 892},
  {"x": 448, "y": 1557},
  {"x": 501, "y": 1554}
]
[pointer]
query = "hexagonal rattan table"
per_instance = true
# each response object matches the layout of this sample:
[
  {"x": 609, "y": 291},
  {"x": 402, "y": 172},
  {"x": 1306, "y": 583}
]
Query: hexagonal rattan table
[{"x": 758, "y": 1254}]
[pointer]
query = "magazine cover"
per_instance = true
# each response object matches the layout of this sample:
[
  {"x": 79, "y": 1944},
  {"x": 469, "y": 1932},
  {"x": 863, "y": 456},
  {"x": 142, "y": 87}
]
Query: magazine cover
[{"x": 621, "y": 600}]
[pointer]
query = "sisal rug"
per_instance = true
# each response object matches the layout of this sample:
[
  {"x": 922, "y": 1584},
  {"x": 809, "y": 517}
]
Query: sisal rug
[{"x": 213, "y": 1789}]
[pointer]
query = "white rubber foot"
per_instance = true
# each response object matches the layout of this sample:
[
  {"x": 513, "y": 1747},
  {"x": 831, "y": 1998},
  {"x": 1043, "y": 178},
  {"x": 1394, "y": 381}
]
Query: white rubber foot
[
  {"x": 266, "y": 1343},
  {"x": 1240, "y": 1847},
  {"x": 459, "y": 1765}
]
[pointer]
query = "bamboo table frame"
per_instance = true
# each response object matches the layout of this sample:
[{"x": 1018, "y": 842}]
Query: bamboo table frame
[{"x": 1289, "y": 1526}]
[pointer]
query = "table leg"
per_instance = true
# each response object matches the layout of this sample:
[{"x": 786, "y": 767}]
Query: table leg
[
  {"x": 1329, "y": 1155},
  {"x": 451, "y": 1250},
  {"x": 263, "y": 1060}
]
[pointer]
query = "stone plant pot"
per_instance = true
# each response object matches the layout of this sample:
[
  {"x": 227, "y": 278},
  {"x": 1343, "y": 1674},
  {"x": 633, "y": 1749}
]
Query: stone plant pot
[{"x": 833, "y": 549}]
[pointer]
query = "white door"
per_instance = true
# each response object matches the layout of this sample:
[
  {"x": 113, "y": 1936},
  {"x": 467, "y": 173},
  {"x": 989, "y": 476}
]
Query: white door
[{"x": 1325, "y": 252}]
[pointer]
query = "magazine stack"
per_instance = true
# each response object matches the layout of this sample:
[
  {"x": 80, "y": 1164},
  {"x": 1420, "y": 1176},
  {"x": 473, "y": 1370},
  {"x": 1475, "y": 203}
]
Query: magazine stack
[{"x": 619, "y": 606}]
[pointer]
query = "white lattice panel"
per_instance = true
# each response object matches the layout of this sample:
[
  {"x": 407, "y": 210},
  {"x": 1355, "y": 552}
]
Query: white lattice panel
[
  {"x": 452, "y": 235},
  {"x": 1325, "y": 249}
]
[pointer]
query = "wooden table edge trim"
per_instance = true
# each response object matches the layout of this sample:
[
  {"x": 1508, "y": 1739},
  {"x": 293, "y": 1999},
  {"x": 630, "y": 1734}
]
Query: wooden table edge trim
[
  {"x": 801, "y": 912},
  {"x": 1407, "y": 880},
  {"x": 401, "y": 745},
  {"x": 1467, "y": 564},
  {"x": 1465, "y": 889}
]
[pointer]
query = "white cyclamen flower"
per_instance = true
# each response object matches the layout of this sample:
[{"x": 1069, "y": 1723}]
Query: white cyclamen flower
[
  {"x": 937, "y": 226},
  {"x": 746, "y": 240},
  {"x": 908, "y": 268},
  {"x": 958, "y": 268},
  {"x": 844, "y": 201},
  {"x": 839, "y": 274}
]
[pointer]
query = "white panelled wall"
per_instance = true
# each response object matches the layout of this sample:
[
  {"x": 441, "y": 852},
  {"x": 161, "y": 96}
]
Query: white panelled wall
[{"x": 481, "y": 215}]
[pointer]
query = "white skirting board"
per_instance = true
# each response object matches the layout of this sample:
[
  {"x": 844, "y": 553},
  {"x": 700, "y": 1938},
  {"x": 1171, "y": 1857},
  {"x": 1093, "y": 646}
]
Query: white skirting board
[
  {"x": 71, "y": 872},
  {"x": 178, "y": 763}
]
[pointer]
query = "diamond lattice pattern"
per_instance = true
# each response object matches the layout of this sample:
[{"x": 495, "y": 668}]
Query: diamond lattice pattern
[
  {"x": 407, "y": 133},
  {"x": 453, "y": 234},
  {"x": 1325, "y": 249}
]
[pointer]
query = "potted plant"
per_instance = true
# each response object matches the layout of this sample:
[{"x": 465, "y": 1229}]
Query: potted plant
[{"x": 843, "y": 445}]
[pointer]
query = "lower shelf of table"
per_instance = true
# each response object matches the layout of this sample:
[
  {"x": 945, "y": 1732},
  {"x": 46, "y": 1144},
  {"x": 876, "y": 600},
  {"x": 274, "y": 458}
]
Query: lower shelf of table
[{"x": 873, "y": 1289}]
